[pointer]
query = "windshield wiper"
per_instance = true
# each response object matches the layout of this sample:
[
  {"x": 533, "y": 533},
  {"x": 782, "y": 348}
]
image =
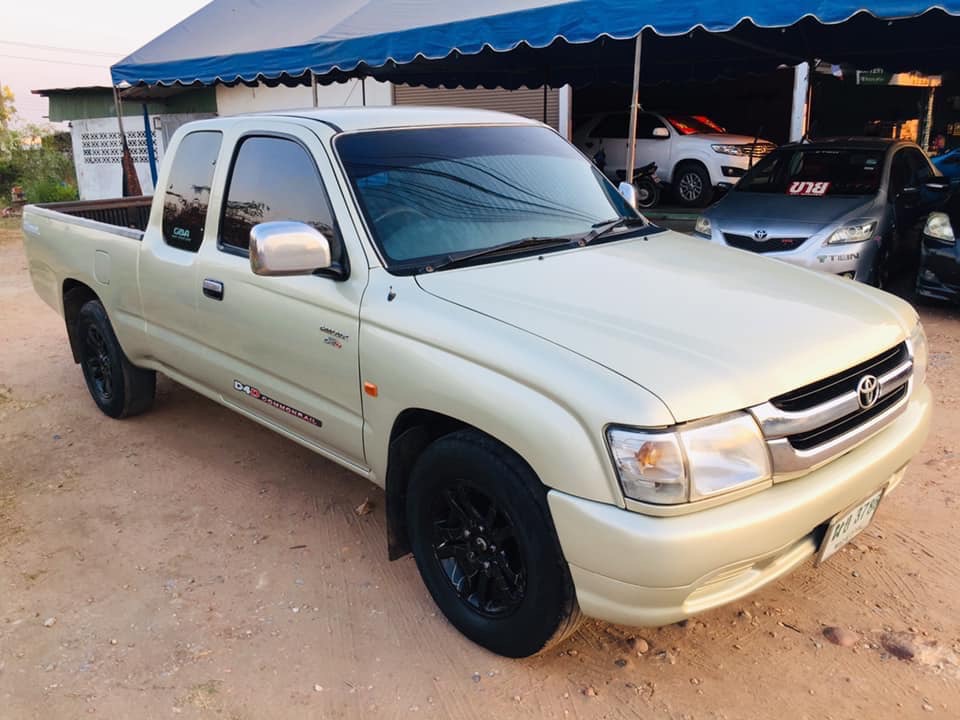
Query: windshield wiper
[
  {"x": 606, "y": 227},
  {"x": 599, "y": 230},
  {"x": 522, "y": 244}
]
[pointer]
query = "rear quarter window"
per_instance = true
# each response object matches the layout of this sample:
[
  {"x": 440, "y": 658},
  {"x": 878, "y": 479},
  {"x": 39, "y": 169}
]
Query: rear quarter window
[{"x": 187, "y": 194}]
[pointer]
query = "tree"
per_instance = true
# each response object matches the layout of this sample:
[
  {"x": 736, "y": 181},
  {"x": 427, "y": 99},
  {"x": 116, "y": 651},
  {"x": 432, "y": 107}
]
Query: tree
[
  {"x": 7, "y": 109},
  {"x": 33, "y": 157}
]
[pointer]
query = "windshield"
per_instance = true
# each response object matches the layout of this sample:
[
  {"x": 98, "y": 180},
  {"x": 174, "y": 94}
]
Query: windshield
[
  {"x": 429, "y": 193},
  {"x": 693, "y": 124},
  {"x": 816, "y": 172}
]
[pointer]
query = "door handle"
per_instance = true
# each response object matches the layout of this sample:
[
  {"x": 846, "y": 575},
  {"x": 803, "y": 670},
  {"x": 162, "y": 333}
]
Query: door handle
[{"x": 213, "y": 289}]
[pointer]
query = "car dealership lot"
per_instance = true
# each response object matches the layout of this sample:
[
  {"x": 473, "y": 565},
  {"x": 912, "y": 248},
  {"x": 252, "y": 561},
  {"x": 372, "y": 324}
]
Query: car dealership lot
[{"x": 189, "y": 563}]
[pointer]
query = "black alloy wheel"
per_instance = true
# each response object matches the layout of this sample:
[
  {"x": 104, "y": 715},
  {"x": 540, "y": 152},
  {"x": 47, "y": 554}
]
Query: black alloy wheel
[
  {"x": 475, "y": 543},
  {"x": 97, "y": 365}
]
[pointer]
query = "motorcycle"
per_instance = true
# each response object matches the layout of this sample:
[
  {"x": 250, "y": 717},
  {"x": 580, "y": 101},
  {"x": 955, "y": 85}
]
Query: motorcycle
[
  {"x": 645, "y": 180},
  {"x": 647, "y": 183}
]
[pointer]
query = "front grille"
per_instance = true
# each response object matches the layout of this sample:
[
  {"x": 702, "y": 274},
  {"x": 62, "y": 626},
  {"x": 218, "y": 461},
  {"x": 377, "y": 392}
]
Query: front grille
[
  {"x": 826, "y": 433},
  {"x": 824, "y": 390},
  {"x": 811, "y": 425},
  {"x": 767, "y": 245}
]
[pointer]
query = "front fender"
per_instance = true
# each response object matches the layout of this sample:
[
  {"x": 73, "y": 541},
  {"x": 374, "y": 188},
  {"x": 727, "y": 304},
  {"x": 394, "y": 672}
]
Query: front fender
[{"x": 547, "y": 404}]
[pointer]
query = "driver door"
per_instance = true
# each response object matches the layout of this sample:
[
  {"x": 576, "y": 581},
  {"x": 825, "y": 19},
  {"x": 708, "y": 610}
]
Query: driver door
[{"x": 285, "y": 348}]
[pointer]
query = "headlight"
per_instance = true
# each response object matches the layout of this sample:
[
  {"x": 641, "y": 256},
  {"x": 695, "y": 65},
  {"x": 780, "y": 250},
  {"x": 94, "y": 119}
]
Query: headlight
[
  {"x": 921, "y": 353},
  {"x": 939, "y": 228},
  {"x": 703, "y": 226},
  {"x": 690, "y": 462},
  {"x": 729, "y": 149},
  {"x": 857, "y": 231}
]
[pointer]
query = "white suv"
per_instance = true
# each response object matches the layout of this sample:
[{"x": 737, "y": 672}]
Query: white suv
[{"x": 692, "y": 153}]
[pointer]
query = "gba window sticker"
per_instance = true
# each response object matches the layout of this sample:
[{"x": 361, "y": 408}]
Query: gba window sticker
[{"x": 808, "y": 188}]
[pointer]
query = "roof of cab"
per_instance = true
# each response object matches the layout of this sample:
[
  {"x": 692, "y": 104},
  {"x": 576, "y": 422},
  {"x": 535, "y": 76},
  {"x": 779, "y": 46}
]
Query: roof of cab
[{"x": 392, "y": 116}]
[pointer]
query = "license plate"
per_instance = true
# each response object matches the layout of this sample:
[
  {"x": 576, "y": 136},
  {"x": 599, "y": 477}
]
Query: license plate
[{"x": 845, "y": 526}]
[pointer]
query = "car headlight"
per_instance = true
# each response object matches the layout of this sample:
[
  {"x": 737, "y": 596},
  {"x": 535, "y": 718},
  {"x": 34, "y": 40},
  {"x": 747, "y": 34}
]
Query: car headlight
[
  {"x": 857, "y": 231},
  {"x": 690, "y": 462},
  {"x": 703, "y": 226},
  {"x": 921, "y": 353},
  {"x": 729, "y": 149},
  {"x": 939, "y": 228}
]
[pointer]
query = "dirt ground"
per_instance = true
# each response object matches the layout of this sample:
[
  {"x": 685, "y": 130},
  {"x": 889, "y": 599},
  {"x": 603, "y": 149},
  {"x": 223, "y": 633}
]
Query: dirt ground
[{"x": 187, "y": 563}]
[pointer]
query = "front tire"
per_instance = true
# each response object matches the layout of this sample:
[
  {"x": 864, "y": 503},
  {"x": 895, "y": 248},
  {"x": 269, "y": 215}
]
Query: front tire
[
  {"x": 692, "y": 186},
  {"x": 119, "y": 388},
  {"x": 486, "y": 548}
]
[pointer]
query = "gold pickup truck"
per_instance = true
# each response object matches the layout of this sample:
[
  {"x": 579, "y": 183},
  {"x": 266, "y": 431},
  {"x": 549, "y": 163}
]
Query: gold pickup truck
[{"x": 570, "y": 409}]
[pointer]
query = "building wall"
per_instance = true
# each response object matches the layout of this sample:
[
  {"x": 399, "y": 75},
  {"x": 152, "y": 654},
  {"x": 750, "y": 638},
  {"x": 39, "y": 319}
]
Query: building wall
[
  {"x": 243, "y": 99},
  {"x": 97, "y": 151},
  {"x": 97, "y": 102},
  {"x": 524, "y": 102}
]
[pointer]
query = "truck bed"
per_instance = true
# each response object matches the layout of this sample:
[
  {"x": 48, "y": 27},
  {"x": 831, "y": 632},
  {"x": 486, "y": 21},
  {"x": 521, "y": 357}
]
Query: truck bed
[
  {"x": 129, "y": 212},
  {"x": 95, "y": 243}
]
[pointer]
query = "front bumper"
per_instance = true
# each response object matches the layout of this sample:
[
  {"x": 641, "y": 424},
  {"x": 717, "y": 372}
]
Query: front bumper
[
  {"x": 853, "y": 260},
  {"x": 638, "y": 569}
]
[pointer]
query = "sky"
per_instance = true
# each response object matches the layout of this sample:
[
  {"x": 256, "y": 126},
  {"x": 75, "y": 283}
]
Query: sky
[{"x": 65, "y": 43}]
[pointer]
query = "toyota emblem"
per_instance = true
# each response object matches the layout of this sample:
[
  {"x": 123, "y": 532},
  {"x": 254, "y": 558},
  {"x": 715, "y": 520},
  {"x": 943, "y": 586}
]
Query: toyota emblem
[
  {"x": 760, "y": 234},
  {"x": 868, "y": 391}
]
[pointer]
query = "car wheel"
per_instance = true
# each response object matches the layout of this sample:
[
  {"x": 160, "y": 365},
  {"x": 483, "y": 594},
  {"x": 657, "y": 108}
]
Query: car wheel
[
  {"x": 692, "y": 186},
  {"x": 486, "y": 548},
  {"x": 648, "y": 193},
  {"x": 119, "y": 388}
]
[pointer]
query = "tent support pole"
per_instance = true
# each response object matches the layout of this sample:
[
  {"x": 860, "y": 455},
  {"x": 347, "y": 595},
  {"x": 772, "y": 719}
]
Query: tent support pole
[
  {"x": 565, "y": 101},
  {"x": 634, "y": 108},
  {"x": 363, "y": 90},
  {"x": 129, "y": 182},
  {"x": 116, "y": 104},
  {"x": 148, "y": 134},
  {"x": 313, "y": 87},
  {"x": 801, "y": 101},
  {"x": 928, "y": 119}
]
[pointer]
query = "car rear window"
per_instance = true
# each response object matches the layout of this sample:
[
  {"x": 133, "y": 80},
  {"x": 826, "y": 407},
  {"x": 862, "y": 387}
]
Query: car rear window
[
  {"x": 187, "y": 193},
  {"x": 816, "y": 171}
]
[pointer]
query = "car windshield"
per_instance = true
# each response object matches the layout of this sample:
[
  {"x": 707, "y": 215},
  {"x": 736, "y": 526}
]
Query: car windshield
[
  {"x": 814, "y": 171},
  {"x": 433, "y": 193},
  {"x": 693, "y": 124}
]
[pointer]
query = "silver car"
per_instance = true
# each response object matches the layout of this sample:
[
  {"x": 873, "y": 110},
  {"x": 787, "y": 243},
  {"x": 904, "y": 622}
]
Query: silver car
[{"x": 849, "y": 206}]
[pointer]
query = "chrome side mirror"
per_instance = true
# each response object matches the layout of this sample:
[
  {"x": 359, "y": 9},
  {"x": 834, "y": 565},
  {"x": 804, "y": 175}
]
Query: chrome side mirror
[
  {"x": 629, "y": 193},
  {"x": 287, "y": 248},
  {"x": 661, "y": 133}
]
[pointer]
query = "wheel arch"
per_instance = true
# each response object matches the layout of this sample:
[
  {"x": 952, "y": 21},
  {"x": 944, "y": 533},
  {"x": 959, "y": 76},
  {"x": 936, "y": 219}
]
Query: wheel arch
[
  {"x": 413, "y": 430},
  {"x": 689, "y": 160},
  {"x": 75, "y": 295}
]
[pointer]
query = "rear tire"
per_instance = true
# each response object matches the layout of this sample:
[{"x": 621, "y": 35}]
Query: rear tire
[
  {"x": 648, "y": 193},
  {"x": 119, "y": 388},
  {"x": 486, "y": 548},
  {"x": 691, "y": 185}
]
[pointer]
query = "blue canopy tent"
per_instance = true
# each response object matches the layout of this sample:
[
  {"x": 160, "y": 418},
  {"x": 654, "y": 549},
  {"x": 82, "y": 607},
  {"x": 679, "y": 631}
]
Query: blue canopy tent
[
  {"x": 513, "y": 43},
  {"x": 510, "y": 43}
]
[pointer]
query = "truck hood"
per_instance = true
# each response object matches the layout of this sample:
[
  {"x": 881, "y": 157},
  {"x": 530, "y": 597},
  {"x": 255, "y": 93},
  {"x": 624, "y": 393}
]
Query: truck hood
[
  {"x": 706, "y": 328},
  {"x": 776, "y": 209}
]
